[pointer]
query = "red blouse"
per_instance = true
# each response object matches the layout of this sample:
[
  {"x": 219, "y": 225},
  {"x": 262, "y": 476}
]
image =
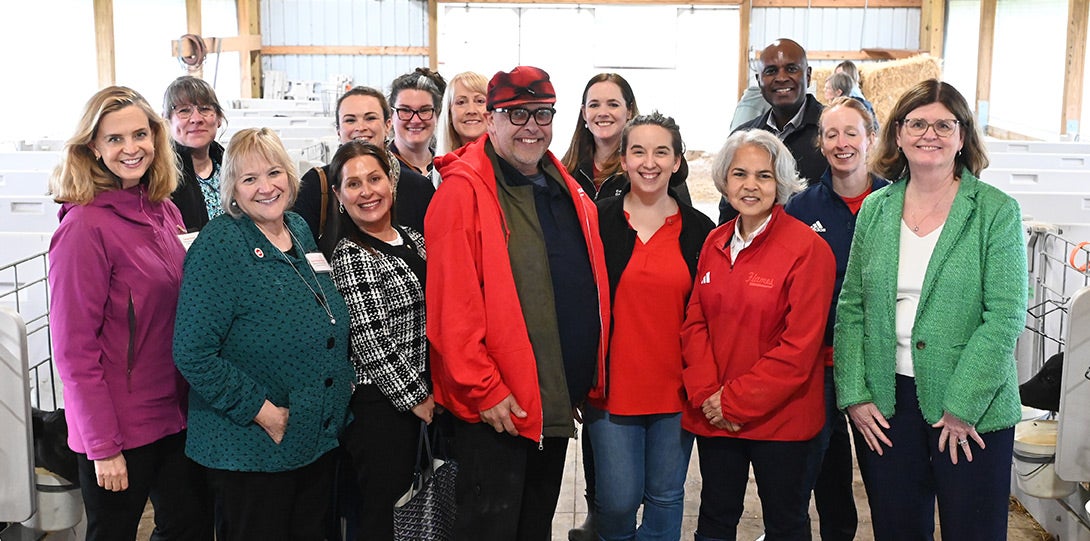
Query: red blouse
[{"x": 648, "y": 310}]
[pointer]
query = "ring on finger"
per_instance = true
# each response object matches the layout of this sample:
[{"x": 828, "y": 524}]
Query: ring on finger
[{"x": 963, "y": 443}]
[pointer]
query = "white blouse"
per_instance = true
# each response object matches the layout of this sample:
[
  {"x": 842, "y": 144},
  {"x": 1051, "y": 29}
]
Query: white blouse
[{"x": 915, "y": 253}]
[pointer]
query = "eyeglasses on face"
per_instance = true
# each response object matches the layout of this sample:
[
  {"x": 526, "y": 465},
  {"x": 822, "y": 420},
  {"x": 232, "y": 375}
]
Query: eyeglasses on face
[
  {"x": 186, "y": 111},
  {"x": 519, "y": 116},
  {"x": 406, "y": 114},
  {"x": 943, "y": 127}
]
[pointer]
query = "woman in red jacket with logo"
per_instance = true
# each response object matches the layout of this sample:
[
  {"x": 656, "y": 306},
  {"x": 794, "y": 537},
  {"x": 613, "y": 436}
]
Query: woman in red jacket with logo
[{"x": 750, "y": 342}]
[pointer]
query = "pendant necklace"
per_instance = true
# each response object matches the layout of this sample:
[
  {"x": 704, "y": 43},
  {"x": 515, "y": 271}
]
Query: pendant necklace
[
  {"x": 321, "y": 298},
  {"x": 916, "y": 228}
]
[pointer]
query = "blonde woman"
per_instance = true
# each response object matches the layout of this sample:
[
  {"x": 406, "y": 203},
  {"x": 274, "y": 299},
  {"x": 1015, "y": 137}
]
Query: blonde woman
[{"x": 116, "y": 268}]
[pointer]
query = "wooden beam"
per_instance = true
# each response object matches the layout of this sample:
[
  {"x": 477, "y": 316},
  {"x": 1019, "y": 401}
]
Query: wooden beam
[
  {"x": 864, "y": 54},
  {"x": 755, "y": 3},
  {"x": 249, "y": 26},
  {"x": 984, "y": 61},
  {"x": 193, "y": 26},
  {"x": 1074, "y": 67},
  {"x": 744, "y": 15},
  {"x": 104, "y": 42},
  {"x": 433, "y": 34},
  {"x": 931, "y": 18},
  {"x": 369, "y": 50},
  {"x": 242, "y": 44}
]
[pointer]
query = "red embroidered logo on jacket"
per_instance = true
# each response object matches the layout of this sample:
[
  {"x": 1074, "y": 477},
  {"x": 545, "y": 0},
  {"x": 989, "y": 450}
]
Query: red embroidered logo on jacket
[{"x": 752, "y": 279}]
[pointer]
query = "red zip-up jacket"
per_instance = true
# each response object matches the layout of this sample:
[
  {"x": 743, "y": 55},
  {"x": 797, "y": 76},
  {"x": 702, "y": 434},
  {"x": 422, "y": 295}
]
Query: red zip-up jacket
[
  {"x": 755, "y": 328},
  {"x": 481, "y": 350}
]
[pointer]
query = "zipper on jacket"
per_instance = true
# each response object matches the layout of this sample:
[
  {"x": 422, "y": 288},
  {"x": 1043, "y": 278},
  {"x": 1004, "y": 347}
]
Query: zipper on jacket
[{"x": 132, "y": 342}]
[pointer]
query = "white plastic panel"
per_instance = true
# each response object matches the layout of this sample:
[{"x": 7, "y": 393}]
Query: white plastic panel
[
  {"x": 17, "y": 500},
  {"x": 1073, "y": 440}
]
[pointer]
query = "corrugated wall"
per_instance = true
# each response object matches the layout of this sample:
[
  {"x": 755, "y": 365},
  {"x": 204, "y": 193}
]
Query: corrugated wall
[
  {"x": 837, "y": 29},
  {"x": 400, "y": 23}
]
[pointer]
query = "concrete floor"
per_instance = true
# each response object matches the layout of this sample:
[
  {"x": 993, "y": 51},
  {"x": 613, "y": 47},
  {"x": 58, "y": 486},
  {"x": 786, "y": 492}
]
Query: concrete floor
[{"x": 572, "y": 507}]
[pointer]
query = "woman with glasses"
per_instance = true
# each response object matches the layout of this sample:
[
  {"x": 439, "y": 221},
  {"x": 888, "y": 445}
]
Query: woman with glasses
[
  {"x": 194, "y": 114},
  {"x": 417, "y": 99},
  {"x": 934, "y": 299}
]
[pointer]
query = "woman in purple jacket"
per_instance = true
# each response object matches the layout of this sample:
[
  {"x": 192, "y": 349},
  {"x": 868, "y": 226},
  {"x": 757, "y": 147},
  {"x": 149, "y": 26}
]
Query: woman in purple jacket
[{"x": 116, "y": 269}]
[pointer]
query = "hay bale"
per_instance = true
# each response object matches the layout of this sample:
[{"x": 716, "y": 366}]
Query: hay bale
[{"x": 883, "y": 83}]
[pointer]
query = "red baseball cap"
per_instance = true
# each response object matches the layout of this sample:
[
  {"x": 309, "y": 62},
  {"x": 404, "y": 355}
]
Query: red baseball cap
[{"x": 524, "y": 84}]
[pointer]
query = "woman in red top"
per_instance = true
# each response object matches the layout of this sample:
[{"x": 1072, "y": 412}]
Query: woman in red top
[
  {"x": 752, "y": 334},
  {"x": 651, "y": 241}
]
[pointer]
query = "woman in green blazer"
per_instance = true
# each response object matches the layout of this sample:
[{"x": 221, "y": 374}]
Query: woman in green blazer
[{"x": 933, "y": 302}]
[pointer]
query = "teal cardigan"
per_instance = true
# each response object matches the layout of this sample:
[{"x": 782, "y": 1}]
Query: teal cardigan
[
  {"x": 249, "y": 330},
  {"x": 972, "y": 309}
]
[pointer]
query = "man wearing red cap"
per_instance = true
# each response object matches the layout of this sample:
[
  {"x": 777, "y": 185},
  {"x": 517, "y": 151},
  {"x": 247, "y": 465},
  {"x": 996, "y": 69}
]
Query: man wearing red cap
[{"x": 518, "y": 310}]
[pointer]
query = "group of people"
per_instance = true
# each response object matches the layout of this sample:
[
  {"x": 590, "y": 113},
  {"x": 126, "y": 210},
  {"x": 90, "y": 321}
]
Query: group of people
[{"x": 446, "y": 269}]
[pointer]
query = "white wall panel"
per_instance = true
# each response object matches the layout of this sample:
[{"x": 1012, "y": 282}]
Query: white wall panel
[
  {"x": 962, "y": 47},
  {"x": 344, "y": 23},
  {"x": 1028, "y": 66}
]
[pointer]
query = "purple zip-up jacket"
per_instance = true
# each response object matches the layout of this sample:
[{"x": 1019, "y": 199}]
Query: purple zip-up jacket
[{"x": 115, "y": 273}]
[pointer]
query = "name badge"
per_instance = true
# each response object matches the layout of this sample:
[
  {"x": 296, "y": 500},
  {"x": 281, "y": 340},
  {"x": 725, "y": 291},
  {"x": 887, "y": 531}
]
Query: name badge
[
  {"x": 187, "y": 239},
  {"x": 318, "y": 263}
]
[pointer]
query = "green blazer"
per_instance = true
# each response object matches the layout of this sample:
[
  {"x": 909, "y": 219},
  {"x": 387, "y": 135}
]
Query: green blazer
[{"x": 972, "y": 309}]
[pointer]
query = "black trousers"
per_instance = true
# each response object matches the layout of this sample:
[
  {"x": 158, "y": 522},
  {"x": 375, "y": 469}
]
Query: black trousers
[
  {"x": 271, "y": 506},
  {"x": 382, "y": 442},
  {"x": 779, "y": 467},
  {"x": 507, "y": 487},
  {"x": 160, "y": 470}
]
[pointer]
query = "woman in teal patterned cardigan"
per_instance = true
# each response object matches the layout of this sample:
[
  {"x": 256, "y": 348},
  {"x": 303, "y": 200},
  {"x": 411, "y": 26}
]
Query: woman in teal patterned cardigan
[
  {"x": 262, "y": 336},
  {"x": 933, "y": 302}
]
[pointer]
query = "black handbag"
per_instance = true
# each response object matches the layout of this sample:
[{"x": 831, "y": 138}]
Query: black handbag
[{"x": 426, "y": 512}]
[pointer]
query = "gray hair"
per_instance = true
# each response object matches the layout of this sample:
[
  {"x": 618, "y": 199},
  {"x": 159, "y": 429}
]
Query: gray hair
[{"x": 783, "y": 163}]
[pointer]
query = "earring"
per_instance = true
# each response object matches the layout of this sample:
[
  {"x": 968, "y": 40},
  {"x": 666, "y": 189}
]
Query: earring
[
  {"x": 341, "y": 205},
  {"x": 234, "y": 204},
  {"x": 585, "y": 125}
]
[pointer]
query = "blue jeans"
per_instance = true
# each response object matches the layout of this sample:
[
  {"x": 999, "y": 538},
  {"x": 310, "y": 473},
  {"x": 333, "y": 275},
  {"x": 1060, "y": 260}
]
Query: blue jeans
[{"x": 639, "y": 459}]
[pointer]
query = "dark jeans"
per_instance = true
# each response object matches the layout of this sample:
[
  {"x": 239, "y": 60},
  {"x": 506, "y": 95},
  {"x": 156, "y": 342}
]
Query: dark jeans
[
  {"x": 291, "y": 505},
  {"x": 507, "y": 487},
  {"x": 830, "y": 472},
  {"x": 160, "y": 470},
  {"x": 903, "y": 483},
  {"x": 382, "y": 442},
  {"x": 779, "y": 467}
]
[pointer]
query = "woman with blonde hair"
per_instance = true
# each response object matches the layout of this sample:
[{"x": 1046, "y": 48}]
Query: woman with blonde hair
[
  {"x": 465, "y": 102},
  {"x": 116, "y": 269},
  {"x": 262, "y": 337}
]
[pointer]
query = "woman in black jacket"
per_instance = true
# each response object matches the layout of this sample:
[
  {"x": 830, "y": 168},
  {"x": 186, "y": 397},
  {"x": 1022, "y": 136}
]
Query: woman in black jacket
[{"x": 194, "y": 113}]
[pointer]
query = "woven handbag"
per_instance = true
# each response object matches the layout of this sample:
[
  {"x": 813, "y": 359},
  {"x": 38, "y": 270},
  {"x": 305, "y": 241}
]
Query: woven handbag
[{"x": 426, "y": 511}]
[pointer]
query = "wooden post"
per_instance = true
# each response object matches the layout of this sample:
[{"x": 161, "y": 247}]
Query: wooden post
[
  {"x": 249, "y": 24},
  {"x": 1077, "y": 12},
  {"x": 193, "y": 25},
  {"x": 433, "y": 34},
  {"x": 744, "y": 15},
  {"x": 931, "y": 17},
  {"x": 984, "y": 61},
  {"x": 104, "y": 42}
]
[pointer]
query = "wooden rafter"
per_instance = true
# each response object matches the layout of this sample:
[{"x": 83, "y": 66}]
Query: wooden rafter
[
  {"x": 755, "y": 3},
  {"x": 931, "y": 24},
  {"x": 984, "y": 60},
  {"x": 743, "y": 47},
  {"x": 193, "y": 26},
  {"x": 1074, "y": 65},
  {"x": 104, "y": 42},
  {"x": 249, "y": 26},
  {"x": 433, "y": 34}
]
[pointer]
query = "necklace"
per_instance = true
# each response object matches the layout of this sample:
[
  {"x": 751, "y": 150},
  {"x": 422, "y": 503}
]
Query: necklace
[
  {"x": 321, "y": 298},
  {"x": 938, "y": 204}
]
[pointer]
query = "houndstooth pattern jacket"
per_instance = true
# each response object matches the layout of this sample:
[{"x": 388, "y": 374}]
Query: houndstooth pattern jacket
[{"x": 388, "y": 344}]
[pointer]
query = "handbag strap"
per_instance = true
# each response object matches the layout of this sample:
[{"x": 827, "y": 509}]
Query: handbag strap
[{"x": 423, "y": 445}]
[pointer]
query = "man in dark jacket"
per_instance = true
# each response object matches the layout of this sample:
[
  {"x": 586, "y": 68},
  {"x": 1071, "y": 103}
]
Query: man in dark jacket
[{"x": 783, "y": 78}]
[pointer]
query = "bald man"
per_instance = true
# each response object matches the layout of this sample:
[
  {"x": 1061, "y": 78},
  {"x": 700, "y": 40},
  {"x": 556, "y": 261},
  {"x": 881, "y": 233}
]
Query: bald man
[{"x": 793, "y": 114}]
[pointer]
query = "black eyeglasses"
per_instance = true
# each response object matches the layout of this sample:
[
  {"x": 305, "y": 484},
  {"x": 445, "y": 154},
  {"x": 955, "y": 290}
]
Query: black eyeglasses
[
  {"x": 916, "y": 127},
  {"x": 519, "y": 116},
  {"x": 406, "y": 114},
  {"x": 186, "y": 111}
]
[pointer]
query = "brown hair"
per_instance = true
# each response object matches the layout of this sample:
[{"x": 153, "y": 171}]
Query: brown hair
[
  {"x": 582, "y": 141},
  {"x": 80, "y": 176},
  {"x": 890, "y": 162}
]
